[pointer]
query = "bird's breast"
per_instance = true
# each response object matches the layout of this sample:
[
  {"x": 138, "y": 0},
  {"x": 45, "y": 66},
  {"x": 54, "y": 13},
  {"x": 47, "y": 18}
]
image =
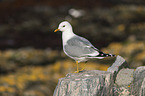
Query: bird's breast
[{"x": 66, "y": 36}]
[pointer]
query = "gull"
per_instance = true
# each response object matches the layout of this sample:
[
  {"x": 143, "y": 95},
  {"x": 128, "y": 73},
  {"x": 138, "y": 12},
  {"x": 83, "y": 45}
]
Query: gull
[{"x": 77, "y": 47}]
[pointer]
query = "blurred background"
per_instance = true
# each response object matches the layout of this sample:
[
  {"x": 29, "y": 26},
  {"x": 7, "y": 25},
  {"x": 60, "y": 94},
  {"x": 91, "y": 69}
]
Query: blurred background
[{"x": 31, "y": 56}]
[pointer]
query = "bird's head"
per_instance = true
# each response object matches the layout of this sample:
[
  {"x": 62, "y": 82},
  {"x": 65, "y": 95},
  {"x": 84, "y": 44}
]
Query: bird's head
[{"x": 63, "y": 26}]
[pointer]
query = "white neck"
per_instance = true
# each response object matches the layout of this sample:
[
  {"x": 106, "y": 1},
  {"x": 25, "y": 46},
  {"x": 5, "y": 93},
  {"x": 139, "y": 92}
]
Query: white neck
[{"x": 67, "y": 35}]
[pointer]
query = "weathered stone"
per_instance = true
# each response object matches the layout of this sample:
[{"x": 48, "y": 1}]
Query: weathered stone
[
  {"x": 138, "y": 85},
  {"x": 143, "y": 88},
  {"x": 117, "y": 65},
  {"x": 124, "y": 77},
  {"x": 87, "y": 83},
  {"x": 123, "y": 80},
  {"x": 128, "y": 82},
  {"x": 121, "y": 91}
]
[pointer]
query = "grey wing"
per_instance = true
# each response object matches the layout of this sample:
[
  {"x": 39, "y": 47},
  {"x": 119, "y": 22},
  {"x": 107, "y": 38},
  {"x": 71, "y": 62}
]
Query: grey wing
[
  {"x": 86, "y": 42},
  {"x": 79, "y": 47}
]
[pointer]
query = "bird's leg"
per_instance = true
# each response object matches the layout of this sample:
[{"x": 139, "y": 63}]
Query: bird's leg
[
  {"x": 77, "y": 67},
  {"x": 83, "y": 67}
]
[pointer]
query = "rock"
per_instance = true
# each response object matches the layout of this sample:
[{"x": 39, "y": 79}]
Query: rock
[
  {"x": 87, "y": 83},
  {"x": 138, "y": 87},
  {"x": 118, "y": 80},
  {"x": 124, "y": 77},
  {"x": 117, "y": 65},
  {"x": 143, "y": 88},
  {"x": 123, "y": 80}
]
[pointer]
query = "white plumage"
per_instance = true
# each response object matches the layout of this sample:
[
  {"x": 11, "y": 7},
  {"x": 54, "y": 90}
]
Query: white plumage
[{"x": 77, "y": 47}]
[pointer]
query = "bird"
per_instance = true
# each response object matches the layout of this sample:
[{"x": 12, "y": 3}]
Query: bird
[{"x": 77, "y": 47}]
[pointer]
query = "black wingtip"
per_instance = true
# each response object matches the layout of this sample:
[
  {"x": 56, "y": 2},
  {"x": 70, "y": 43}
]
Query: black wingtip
[
  {"x": 111, "y": 55},
  {"x": 106, "y": 55}
]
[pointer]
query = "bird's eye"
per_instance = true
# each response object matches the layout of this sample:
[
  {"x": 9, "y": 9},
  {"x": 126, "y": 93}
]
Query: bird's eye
[{"x": 63, "y": 26}]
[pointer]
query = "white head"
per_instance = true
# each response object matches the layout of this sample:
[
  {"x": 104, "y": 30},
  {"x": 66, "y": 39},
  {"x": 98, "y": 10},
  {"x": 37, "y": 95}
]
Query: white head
[{"x": 64, "y": 26}]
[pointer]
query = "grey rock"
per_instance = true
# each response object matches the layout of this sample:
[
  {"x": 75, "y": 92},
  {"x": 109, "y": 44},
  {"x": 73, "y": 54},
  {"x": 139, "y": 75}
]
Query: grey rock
[
  {"x": 117, "y": 66},
  {"x": 143, "y": 88},
  {"x": 118, "y": 80},
  {"x": 121, "y": 91},
  {"x": 124, "y": 77},
  {"x": 138, "y": 86},
  {"x": 87, "y": 83},
  {"x": 123, "y": 80}
]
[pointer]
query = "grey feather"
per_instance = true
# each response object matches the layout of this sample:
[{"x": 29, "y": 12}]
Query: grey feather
[{"x": 79, "y": 47}]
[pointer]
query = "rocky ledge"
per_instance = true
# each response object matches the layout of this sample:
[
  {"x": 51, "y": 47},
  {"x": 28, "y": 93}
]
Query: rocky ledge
[{"x": 118, "y": 80}]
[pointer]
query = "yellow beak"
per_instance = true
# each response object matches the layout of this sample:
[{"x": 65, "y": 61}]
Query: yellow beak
[{"x": 56, "y": 30}]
